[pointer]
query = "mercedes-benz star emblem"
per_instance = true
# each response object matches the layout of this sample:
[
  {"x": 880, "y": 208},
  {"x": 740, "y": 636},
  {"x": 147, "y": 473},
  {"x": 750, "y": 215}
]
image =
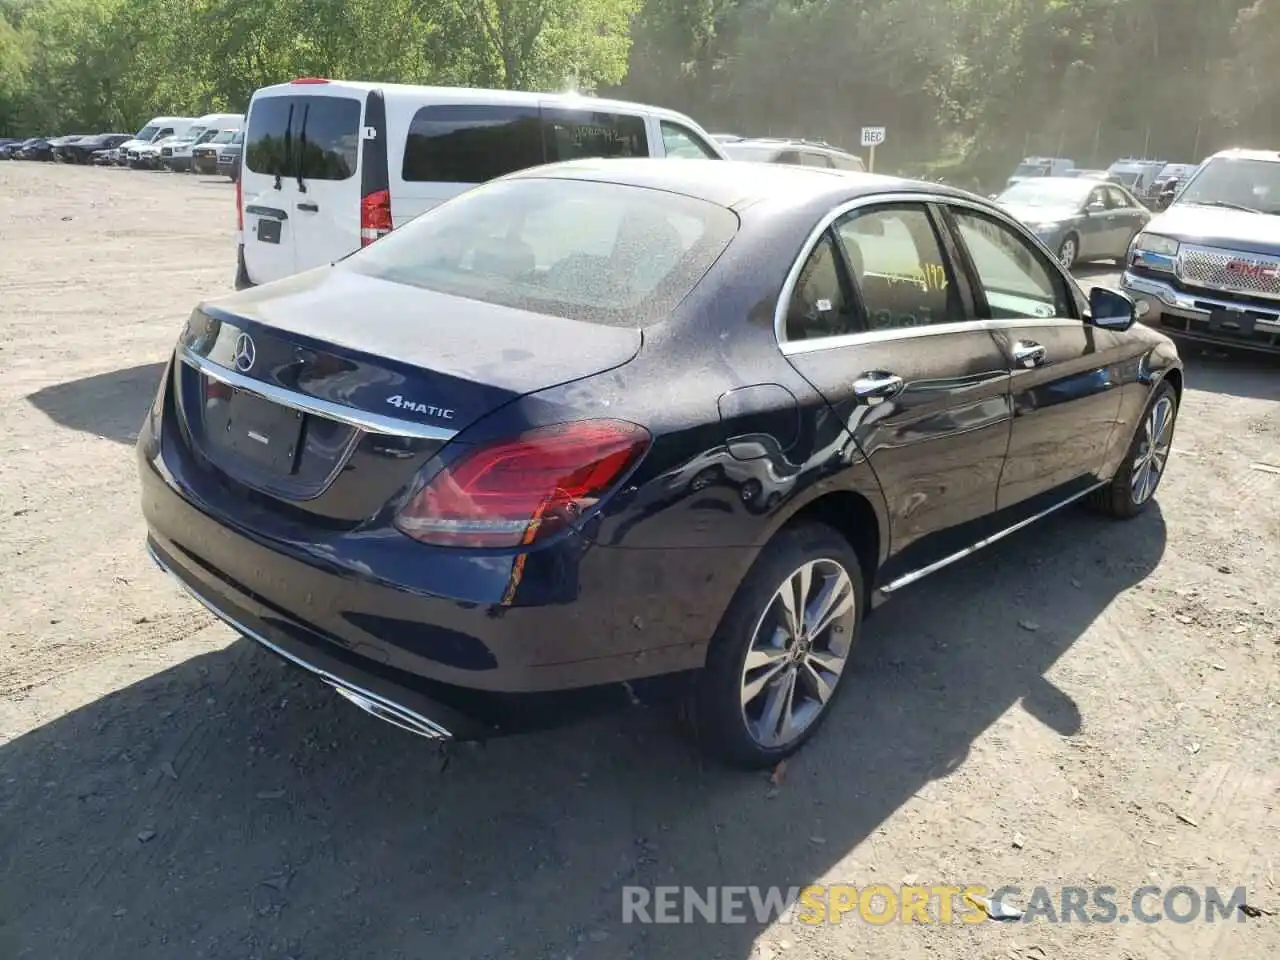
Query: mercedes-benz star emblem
[{"x": 244, "y": 354}]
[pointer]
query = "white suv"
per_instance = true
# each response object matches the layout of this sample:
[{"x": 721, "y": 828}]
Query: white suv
[{"x": 800, "y": 153}]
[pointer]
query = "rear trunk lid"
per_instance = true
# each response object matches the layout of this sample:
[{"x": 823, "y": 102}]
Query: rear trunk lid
[{"x": 322, "y": 395}]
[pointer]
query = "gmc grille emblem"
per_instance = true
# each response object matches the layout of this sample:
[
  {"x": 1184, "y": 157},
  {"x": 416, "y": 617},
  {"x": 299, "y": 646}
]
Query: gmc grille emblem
[{"x": 1260, "y": 271}]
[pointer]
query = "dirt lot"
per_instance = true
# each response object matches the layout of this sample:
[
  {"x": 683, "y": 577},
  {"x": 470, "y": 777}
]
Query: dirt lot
[{"x": 1087, "y": 703}]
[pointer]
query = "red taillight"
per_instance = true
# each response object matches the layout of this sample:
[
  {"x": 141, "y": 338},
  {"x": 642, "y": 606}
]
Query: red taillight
[
  {"x": 375, "y": 216},
  {"x": 240, "y": 207},
  {"x": 520, "y": 491},
  {"x": 305, "y": 80}
]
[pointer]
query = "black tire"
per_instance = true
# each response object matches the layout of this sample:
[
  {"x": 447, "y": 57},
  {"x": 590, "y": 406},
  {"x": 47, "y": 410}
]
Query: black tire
[
  {"x": 716, "y": 712},
  {"x": 1117, "y": 499}
]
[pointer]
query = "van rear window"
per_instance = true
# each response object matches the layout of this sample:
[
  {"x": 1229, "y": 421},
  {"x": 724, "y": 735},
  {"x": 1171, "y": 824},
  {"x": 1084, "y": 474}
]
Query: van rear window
[
  {"x": 317, "y": 138},
  {"x": 471, "y": 144}
]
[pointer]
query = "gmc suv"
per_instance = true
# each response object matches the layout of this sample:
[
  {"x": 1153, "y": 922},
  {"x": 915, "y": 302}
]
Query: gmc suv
[{"x": 1208, "y": 267}]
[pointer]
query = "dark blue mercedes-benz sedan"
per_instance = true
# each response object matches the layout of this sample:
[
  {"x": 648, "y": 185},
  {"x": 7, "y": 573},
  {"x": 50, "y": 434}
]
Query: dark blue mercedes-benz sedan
[{"x": 601, "y": 432}]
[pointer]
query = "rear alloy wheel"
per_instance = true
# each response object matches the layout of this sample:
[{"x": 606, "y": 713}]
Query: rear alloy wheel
[
  {"x": 1068, "y": 252},
  {"x": 1135, "y": 483},
  {"x": 775, "y": 665}
]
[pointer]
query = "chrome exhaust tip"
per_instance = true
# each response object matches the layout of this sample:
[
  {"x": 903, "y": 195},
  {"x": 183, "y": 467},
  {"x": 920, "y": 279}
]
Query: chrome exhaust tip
[{"x": 395, "y": 715}]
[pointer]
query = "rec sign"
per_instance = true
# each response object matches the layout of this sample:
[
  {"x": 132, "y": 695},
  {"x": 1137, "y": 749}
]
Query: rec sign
[{"x": 872, "y": 136}]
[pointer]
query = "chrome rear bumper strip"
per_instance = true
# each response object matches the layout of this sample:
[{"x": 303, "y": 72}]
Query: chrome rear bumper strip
[{"x": 371, "y": 703}]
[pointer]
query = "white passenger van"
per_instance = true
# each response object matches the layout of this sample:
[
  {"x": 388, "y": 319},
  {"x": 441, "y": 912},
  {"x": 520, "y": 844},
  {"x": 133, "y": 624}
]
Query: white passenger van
[
  {"x": 157, "y": 128},
  {"x": 177, "y": 156},
  {"x": 329, "y": 166}
]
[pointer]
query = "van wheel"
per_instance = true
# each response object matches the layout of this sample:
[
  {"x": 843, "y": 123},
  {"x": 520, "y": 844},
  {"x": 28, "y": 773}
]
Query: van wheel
[{"x": 775, "y": 665}]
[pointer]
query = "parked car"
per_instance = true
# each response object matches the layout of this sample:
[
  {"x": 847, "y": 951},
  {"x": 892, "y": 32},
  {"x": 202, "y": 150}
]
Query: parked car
[
  {"x": 805, "y": 153},
  {"x": 445, "y": 474},
  {"x": 377, "y": 155},
  {"x": 37, "y": 148},
  {"x": 84, "y": 149},
  {"x": 229, "y": 157},
  {"x": 157, "y": 128},
  {"x": 1207, "y": 269},
  {"x": 178, "y": 156},
  {"x": 1078, "y": 218},
  {"x": 204, "y": 158},
  {"x": 10, "y": 148},
  {"x": 1039, "y": 167},
  {"x": 58, "y": 146}
]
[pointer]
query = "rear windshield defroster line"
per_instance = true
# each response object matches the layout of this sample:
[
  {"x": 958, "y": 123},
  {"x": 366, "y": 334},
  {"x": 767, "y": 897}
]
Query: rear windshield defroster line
[{"x": 604, "y": 253}]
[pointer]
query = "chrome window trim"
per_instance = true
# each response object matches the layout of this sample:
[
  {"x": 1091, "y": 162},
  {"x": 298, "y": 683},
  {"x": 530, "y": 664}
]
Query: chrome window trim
[
  {"x": 790, "y": 347},
  {"x": 368, "y": 422}
]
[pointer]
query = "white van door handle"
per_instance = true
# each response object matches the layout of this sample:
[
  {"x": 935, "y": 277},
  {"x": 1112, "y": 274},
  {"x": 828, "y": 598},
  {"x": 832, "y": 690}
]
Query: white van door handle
[{"x": 309, "y": 206}]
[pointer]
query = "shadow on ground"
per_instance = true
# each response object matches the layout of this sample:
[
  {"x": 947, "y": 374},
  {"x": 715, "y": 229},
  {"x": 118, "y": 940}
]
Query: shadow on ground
[
  {"x": 1236, "y": 373},
  {"x": 110, "y": 405},
  {"x": 232, "y": 807}
]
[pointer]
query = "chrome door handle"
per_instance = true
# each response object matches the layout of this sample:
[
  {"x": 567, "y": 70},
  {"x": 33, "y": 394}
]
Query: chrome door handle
[
  {"x": 1028, "y": 353},
  {"x": 876, "y": 387}
]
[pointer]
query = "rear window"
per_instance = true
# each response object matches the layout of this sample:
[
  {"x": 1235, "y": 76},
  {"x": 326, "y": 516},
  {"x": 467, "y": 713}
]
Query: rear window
[
  {"x": 458, "y": 143},
  {"x": 317, "y": 138},
  {"x": 599, "y": 252}
]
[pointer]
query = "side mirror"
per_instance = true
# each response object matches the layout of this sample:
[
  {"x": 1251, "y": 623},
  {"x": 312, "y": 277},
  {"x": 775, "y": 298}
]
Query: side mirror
[{"x": 1111, "y": 309}]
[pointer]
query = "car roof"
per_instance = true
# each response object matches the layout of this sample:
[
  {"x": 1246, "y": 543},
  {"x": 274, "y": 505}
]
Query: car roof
[
  {"x": 1242, "y": 153},
  {"x": 735, "y": 184},
  {"x": 318, "y": 86},
  {"x": 1036, "y": 181},
  {"x": 784, "y": 142}
]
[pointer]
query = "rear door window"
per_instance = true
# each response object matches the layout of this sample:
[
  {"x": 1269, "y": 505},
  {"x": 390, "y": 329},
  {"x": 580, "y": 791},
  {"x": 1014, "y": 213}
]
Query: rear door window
[
  {"x": 329, "y": 137},
  {"x": 457, "y": 143},
  {"x": 461, "y": 143},
  {"x": 574, "y": 135},
  {"x": 898, "y": 267},
  {"x": 810, "y": 159},
  {"x": 315, "y": 137}
]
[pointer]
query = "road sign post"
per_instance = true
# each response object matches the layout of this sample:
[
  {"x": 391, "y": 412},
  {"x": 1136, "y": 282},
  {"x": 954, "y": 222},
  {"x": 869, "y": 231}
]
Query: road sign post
[{"x": 872, "y": 137}]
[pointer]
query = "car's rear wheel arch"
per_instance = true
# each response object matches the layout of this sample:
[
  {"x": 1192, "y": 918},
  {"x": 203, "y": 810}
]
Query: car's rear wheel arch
[{"x": 852, "y": 516}]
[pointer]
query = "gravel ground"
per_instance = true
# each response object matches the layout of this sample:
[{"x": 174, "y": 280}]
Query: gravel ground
[{"x": 1085, "y": 703}]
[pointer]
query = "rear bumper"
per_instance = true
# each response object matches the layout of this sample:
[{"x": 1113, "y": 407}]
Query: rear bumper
[
  {"x": 1187, "y": 316},
  {"x": 590, "y": 628}
]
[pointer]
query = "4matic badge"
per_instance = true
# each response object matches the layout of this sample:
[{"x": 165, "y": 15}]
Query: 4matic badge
[{"x": 401, "y": 403}]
